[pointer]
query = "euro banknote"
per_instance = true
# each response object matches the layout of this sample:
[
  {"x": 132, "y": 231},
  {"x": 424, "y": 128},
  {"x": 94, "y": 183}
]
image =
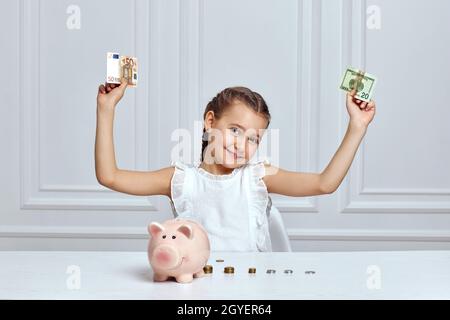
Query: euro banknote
[{"x": 121, "y": 67}]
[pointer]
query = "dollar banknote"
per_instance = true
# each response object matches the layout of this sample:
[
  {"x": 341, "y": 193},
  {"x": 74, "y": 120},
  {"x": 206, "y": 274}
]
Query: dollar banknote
[
  {"x": 362, "y": 81},
  {"x": 121, "y": 67}
]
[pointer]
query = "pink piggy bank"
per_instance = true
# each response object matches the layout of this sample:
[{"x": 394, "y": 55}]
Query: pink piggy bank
[{"x": 177, "y": 248}]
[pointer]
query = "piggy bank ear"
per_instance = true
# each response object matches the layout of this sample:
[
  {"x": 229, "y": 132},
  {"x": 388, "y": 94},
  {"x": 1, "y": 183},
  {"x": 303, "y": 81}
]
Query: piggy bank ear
[
  {"x": 154, "y": 228},
  {"x": 186, "y": 230}
]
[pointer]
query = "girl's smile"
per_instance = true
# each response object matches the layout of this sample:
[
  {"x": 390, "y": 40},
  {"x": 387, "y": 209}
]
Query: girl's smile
[{"x": 233, "y": 153}]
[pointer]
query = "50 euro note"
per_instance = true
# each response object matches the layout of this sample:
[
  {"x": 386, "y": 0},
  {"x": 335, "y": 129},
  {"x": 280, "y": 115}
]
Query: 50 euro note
[
  {"x": 121, "y": 67},
  {"x": 362, "y": 81}
]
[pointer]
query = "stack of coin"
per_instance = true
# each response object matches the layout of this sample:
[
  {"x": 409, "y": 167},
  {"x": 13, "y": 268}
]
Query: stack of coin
[
  {"x": 208, "y": 269},
  {"x": 228, "y": 270},
  {"x": 219, "y": 260},
  {"x": 310, "y": 272},
  {"x": 251, "y": 270},
  {"x": 270, "y": 271},
  {"x": 288, "y": 271}
]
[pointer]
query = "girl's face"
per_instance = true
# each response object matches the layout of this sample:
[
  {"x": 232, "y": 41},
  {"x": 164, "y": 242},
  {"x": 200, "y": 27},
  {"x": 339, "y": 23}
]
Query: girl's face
[{"x": 235, "y": 137}]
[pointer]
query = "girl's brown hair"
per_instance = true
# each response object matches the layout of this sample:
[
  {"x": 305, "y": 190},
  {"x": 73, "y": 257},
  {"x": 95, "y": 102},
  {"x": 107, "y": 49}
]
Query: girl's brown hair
[{"x": 227, "y": 97}]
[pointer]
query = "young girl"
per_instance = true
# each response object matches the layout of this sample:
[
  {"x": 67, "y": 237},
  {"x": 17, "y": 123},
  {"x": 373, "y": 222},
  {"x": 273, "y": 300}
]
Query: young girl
[{"x": 226, "y": 193}]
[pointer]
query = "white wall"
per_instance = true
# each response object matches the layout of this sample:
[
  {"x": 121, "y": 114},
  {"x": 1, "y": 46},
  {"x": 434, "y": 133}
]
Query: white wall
[{"x": 397, "y": 192}]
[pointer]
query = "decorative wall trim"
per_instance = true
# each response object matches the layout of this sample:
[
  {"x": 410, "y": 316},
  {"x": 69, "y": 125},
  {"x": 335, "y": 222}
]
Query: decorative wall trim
[
  {"x": 309, "y": 21},
  {"x": 368, "y": 235},
  {"x": 354, "y": 196},
  {"x": 34, "y": 193},
  {"x": 294, "y": 234}
]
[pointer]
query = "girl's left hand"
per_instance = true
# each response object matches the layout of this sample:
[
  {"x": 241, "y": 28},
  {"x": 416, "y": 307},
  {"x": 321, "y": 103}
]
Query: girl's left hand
[{"x": 361, "y": 113}]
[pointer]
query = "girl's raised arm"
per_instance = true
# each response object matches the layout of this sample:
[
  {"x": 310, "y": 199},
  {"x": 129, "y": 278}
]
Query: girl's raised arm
[
  {"x": 300, "y": 184},
  {"x": 294, "y": 184},
  {"x": 140, "y": 183}
]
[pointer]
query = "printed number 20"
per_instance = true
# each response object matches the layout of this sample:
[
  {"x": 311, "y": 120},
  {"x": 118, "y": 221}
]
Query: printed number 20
[{"x": 364, "y": 95}]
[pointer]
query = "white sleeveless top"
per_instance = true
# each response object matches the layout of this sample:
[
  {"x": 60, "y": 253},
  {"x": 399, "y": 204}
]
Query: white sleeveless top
[{"x": 233, "y": 208}]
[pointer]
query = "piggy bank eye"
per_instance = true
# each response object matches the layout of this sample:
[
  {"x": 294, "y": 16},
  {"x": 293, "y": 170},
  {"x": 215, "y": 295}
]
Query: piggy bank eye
[
  {"x": 173, "y": 237},
  {"x": 164, "y": 236}
]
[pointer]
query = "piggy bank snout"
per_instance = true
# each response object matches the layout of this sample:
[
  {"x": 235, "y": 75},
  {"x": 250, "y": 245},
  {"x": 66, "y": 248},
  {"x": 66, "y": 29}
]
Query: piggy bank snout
[{"x": 166, "y": 256}]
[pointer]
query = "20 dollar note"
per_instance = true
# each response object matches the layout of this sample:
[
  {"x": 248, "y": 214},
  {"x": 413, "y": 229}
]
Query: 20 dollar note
[{"x": 362, "y": 81}]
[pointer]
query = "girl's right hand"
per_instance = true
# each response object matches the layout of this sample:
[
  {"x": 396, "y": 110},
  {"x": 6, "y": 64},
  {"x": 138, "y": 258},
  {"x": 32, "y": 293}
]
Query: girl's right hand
[{"x": 110, "y": 94}]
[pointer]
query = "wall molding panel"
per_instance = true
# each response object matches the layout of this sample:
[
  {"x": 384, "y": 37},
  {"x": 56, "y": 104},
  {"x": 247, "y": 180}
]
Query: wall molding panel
[{"x": 178, "y": 44}]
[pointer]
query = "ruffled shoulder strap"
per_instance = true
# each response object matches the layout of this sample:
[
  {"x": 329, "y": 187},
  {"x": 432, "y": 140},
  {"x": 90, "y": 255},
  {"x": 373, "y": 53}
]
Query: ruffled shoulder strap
[
  {"x": 258, "y": 168},
  {"x": 260, "y": 204},
  {"x": 179, "y": 187},
  {"x": 180, "y": 164}
]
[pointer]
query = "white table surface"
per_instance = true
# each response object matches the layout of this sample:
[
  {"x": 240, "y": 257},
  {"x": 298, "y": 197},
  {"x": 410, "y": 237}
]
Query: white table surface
[{"x": 127, "y": 275}]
